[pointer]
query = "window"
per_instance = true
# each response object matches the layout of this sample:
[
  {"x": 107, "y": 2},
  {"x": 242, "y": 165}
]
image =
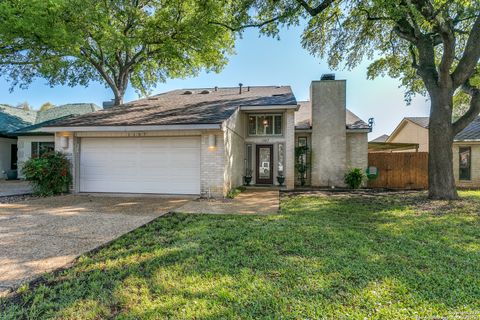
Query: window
[
  {"x": 302, "y": 141},
  {"x": 281, "y": 159},
  {"x": 40, "y": 148},
  {"x": 465, "y": 155},
  {"x": 248, "y": 160},
  {"x": 264, "y": 124}
]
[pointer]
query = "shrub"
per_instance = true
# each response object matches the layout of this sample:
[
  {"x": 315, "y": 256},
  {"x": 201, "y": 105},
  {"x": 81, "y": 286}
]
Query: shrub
[
  {"x": 354, "y": 178},
  {"x": 49, "y": 174}
]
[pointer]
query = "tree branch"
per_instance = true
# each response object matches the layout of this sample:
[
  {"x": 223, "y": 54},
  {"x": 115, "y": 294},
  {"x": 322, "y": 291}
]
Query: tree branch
[
  {"x": 471, "y": 56},
  {"x": 472, "y": 112},
  {"x": 314, "y": 11}
]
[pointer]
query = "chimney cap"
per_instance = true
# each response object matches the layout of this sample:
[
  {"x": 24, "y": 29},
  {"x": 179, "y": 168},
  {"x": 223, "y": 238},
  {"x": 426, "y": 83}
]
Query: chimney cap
[{"x": 328, "y": 76}]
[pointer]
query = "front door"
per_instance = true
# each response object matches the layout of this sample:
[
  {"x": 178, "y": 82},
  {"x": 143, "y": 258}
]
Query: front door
[
  {"x": 13, "y": 156},
  {"x": 264, "y": 164}
]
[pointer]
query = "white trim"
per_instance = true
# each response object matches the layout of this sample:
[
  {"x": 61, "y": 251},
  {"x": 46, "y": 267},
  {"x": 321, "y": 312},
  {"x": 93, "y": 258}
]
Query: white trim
[
  {"x": 133, "y": 128},
  {"x": 270, "y": 108}
]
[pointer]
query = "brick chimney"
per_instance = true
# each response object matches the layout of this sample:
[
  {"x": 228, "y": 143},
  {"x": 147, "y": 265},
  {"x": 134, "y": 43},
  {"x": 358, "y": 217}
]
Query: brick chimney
[{"x": 328, "y": 98}]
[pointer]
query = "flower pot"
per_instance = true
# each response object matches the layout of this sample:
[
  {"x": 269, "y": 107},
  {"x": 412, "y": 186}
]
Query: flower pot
[
  {"x": 12, "y": 174},
  {"x": 280, "y": 180},
  {"x": 247, "y": 180}
]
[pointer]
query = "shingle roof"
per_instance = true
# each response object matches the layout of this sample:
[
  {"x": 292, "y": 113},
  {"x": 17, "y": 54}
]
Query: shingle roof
[
  {"x": 303, "y": 118},
  {"x": 14, "y": 120},
  {"x": 421, "y": 121},
  {"x": 186, "y": 106},
  {"x": 382, "y": 138},
  {"x": 65, "y": 110},
  {"x": 471, "y": 132}
]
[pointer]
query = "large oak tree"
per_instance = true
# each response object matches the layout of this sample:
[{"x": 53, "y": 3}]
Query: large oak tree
[
  {"x": 433, "y": 46},
  {"x": 115, "y": 42}
]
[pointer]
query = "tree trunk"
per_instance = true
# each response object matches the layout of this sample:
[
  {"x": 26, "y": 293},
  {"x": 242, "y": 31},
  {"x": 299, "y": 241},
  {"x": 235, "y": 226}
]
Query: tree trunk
[
  {"x": 118, "y": 99},
  {"x": 441, "y": 181}
]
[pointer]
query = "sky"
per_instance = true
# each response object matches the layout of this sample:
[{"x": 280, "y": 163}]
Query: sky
[{"x": 258, "y": 61}]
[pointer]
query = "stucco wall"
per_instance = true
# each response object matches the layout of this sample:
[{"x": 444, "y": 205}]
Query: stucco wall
[
  {"x": 328, "y": 132},
  {"x": 475, "y": 165},
  {"x": 25, "y": 149},
  {"x": 5, "y": 154},
  {"x": 412, "y": 133},
  {"x": 234, "y": 137}
]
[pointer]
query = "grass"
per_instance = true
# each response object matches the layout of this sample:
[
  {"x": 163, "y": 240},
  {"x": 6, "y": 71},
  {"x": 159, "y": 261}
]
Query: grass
[{"x": 335, "y": 257}]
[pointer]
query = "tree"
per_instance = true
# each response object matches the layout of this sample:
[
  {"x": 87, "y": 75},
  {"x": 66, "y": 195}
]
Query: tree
[
  {"x": 46, "y": 106},
  {"x": 433, "y": 46},
  {"x": 24, "y": 106},
  {"x": 115, "y": 42}
]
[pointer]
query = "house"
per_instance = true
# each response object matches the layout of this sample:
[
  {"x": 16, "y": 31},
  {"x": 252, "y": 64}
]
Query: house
[
  {"x": 382, "y": 138},
  {"x": 411, "y": 130},
  {"x": 204, "y": 141},
  {"x": 466, "y": 147},
  {"x": 20, "y": 138}
]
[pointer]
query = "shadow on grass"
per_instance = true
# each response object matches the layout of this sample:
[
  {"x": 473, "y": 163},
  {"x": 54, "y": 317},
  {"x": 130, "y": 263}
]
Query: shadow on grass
[{"x": 324, "y": 256}]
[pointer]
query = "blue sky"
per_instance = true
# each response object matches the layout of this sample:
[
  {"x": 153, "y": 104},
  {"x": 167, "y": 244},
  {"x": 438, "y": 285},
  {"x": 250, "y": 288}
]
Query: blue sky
[{"x": 258, "y": 61}]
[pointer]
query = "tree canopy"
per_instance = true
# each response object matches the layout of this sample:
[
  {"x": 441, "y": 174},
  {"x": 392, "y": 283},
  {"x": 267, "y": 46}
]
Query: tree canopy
[{"x": 115, "y": 42}]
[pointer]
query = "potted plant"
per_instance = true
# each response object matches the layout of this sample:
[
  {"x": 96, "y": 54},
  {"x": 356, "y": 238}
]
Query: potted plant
[
  {"x": 11, "y": 174},
  {"x": 280, "y": 178},
  {"x": 248, "y": 177}
]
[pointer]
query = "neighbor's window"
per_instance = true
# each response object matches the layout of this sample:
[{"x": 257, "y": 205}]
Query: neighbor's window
[
  {"x": 40, "y": 148},
  {"x": 465, "y": 160},
  {"x": 264, "y": 124}
]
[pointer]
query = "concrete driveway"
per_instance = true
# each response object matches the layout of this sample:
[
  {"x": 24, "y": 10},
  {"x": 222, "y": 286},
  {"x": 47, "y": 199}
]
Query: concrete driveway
[{"x": 41, "y": 235}]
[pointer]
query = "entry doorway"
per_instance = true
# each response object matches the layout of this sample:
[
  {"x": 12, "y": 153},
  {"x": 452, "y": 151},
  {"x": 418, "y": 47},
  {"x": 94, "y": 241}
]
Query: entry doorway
[{"x": 264, "y": 164}]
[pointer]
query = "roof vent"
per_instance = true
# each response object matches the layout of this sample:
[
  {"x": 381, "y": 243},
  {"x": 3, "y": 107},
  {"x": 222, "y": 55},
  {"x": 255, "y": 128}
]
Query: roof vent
[
  {"x": 216, "y": 88},
  {"x": 240, "y": 85},
  {"x": 328, "y": 76},
  {"x": 205, "y": 92},
  {"x": 187, "y": 92}
]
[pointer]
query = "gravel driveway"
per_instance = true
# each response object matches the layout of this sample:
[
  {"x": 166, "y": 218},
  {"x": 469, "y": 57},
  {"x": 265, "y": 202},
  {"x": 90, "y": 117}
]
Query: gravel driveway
[{"x": 40, "y": 235}]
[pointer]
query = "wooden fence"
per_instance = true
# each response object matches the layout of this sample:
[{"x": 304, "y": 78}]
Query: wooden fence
[{"x": 400, "y": 170}]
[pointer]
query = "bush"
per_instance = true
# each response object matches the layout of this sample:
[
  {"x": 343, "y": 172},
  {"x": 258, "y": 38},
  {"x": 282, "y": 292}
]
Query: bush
[
  {"x": 49, "y": 174},
  {"x": 354, "y": 178}
]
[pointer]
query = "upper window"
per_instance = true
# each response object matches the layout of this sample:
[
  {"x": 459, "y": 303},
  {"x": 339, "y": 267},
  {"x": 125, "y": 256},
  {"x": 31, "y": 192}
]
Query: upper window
[
  {"x": 264, "y": 124},
  {"x": 465, "y": 160},
  {"x": 40, "y": 148}
]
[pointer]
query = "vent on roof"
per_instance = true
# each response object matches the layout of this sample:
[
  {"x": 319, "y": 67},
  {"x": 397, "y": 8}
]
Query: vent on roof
[
  {"x": 187, "y": 92},
  {"x": 152, "y": 98},
  {"x": 328, "y": 76},
  {"x": 278, "y": 94},
  {"x": 205, "y": 92}
]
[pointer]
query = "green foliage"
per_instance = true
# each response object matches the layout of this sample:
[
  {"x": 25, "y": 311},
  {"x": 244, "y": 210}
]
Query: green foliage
[
  {"x": 395, "y": 256},
  {"x": 49, "y": 174},
  {"x": 74, "y": 42},
  {"x": 354, "y": 178},
  {"x": 235, "y": 192}
]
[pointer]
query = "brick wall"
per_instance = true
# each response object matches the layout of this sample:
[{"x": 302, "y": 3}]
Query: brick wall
[
  {"x": 357, "y": 150},
  {"x": 212, "y": 166}
]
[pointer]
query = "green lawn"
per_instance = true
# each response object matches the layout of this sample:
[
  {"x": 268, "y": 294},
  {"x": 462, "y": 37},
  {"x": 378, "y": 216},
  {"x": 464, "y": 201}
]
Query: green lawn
[{"x": 344, "y": 256}]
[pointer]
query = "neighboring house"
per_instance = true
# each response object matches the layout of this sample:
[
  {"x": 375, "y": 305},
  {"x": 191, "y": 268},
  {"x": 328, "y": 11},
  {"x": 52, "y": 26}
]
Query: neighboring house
[
  {"x": 411, "y": 130},
  {"x": 466, "y": 147},
  {"x": 203, "y": 141},
  {"x": 382, "y": 138},
  {"x": 21, "y": 129},
  {"x": 11, "y": 119}
]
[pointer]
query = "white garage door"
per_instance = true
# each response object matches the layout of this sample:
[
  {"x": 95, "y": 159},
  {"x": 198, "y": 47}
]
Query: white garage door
[{"x": 168, "y": 165}]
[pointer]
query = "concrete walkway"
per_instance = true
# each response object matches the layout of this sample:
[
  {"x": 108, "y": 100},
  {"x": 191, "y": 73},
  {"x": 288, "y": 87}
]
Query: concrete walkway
[
  {"x": 14, "y": 188},
  {"x": 41, "y": 235},
  {"x": 257, "y": 201}
]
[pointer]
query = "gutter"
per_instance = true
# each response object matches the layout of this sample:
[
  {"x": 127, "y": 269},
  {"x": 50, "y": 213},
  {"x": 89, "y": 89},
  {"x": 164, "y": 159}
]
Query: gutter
[{"x": 216, "y": 126}]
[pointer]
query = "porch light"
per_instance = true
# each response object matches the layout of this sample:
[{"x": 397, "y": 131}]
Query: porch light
[
  {"x": 64, "y": 142},
  {"x": 212, "y": 141}
]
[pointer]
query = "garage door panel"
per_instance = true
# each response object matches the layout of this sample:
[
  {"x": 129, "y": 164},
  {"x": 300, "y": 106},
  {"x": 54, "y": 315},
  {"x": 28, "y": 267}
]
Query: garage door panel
[{"x": 168, "y": 165}]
